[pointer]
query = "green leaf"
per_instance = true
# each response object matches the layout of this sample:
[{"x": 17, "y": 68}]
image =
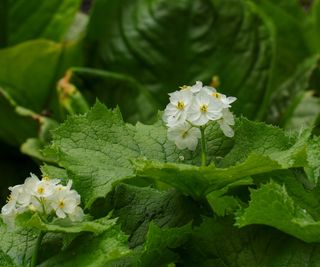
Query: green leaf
[
  {"x": 62, "y": 226},
  {"x": 216, "y": 243},
  {"x": 18, "y": 244},
  {"x": 159, "y": 247},
  {"x": 312, "y": 27},
  {"x": 298, "y": 187},
  {"x": 224, "y": 204},
  {"x": 313, "y": 157},
  {"x": 31, "y": 19},
  {"x": 259, "y": 138},
  {"x": 289, "y": 95},
  {"x": 258, "y": 148},
  {"x": 271, "y": 205},
  {"x": 54, "y": 172},
  {"x": 93, "y": 251},
  {"x": 28, "y": 74},
  {"x": 115, "y": 89},
  {"x": 143, "y": 205},
  {"x": 5, "y": 260},
  {"x": 191, "y": 39},
  {"x": 98, "y": 155},
  {"x": 22, "y": 128},
  {"x": 306, "y": 112}
]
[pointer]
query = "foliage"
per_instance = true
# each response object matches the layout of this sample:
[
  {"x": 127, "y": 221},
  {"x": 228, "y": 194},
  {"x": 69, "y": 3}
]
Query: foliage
[{"x": 80, "y": 94}]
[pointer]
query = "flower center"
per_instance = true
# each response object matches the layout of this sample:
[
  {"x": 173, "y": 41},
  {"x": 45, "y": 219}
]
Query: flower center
[
  {"x": 180, "y": 105},
  {"x": 216, "y": 95},
  {"x": 61, "y": 204},
  {"x": 40, "y": 190},
  {"x": 184, "y": 134},
  {"x": 204, "y": 108}
]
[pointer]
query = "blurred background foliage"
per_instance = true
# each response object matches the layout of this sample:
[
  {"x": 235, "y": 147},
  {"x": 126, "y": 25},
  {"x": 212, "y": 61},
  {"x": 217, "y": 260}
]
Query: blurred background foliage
[{"x": 58, "y": 57}]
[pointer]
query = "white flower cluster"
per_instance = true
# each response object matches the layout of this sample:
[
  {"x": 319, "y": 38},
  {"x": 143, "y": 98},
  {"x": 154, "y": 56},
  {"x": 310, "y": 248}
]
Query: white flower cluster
[
  {"x": 46, "y": 197},
  {"x": 195, "y": 106}
]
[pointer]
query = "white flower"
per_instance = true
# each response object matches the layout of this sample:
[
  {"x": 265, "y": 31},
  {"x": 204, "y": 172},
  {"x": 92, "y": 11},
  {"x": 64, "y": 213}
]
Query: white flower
[
  {"x": 225, "y": 122},
  {"x": 17, "y": 203},
  {"x": 196, "y": 87},
  {"x": 226, "y": 101},
  {"x": 40, "y": 188},
  {"x": 204, "y": 109},
  {"x": 77, "y": 215},
  {"x": 176, "y": 111},
  {"x": 184, "y": 136},
  {"x": 65, "y": 202}
]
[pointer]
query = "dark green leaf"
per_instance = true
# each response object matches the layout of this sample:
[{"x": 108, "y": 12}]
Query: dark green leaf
[
  {"x": 165, "y": 45},
  {"x": 23, "y": 20}
]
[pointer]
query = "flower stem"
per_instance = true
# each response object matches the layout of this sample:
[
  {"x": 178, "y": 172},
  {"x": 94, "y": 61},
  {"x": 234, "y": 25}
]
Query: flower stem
[
  {"x": 35, "y": 254},
  {"x": 203, "y": 147}
]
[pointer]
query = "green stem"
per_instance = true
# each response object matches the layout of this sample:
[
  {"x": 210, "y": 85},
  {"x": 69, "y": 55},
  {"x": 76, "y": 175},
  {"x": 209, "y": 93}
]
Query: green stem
[
  {"x": 35, "y": 254},
  {"x": 203, "y": 147}
]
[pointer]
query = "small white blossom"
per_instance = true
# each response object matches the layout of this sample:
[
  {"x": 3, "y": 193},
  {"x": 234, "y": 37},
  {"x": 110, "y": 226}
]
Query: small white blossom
[
  {"x": 226, "y": 101},
  {"x": 40, "y": 188},
  {"x": 77, "y": 215},
  {"x": 184, "y": 136},
  {"x": 204, "y": 109},
  {"x": 45, "y": 196},
  {"x": 176, "y": 111},
  {"x": 196, "y": 87},
  {"x": 226, "y": 121},
  {"x": 64, "y": 202}
]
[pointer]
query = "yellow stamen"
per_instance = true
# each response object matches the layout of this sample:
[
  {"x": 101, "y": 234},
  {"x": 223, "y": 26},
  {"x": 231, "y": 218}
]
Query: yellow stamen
[
  {"x": 184, "y": 87},
  {"x": 45, "y": 178},
  {"x": 61, "y": 204},
  {"x": 9, "y": 198},
  {"x": 185, "y": 134},
  {"x": 180, "y": 105},
  {"x": 204, "y": 108},
  {"x": 216, "y": 95},
  {"x": 40, "y": 190}
]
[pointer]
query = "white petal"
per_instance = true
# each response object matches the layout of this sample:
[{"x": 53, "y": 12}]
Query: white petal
[
  {"x": 60, "y": 213},
  {"x": 227, "y": 130}
]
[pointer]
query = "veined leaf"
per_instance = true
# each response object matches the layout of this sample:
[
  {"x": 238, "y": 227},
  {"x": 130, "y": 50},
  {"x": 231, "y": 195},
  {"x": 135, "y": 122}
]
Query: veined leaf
[
  {"x": 192, "y": 39},
  {"x": 97, "y": 149},
  {"x": 216, "y": 243},
  {"x": 271, "y": 205},
  {"x": 93, "y": 251}
]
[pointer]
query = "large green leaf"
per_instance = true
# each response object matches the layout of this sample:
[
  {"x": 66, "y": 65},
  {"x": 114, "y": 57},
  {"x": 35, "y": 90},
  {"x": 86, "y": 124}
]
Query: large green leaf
[
  {"x": 97, "y": 149},
  {"x": 288, "y": 18},
  {"x": 116, "y": 89},
  {"x": 17, "y": 244},
  {"x": 216, "y": 243},
  {"x": 271, "y": 205},
  {"x": 285, "y": 100},
  {"x": 312, "y": 27},
  {"x": 164, "y": 45},
  {"x": 5, "y": 260},
  {"x": 23, "y": 20},
  {"x": 258, "y": 148},
  {"x": 159, "y": 248},
  {"x": 28, "y": 74},
  {"x": 143, "y": 205},
  {"x": 98, "y": 226},
  {"x": 90, "y": 251}
]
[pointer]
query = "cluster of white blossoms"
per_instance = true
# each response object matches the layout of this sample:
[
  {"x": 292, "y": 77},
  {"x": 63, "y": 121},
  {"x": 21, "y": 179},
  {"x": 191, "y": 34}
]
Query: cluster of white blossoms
[
  {"x": 193, "y": 107},
  {"x": 47, "y": 197}
]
